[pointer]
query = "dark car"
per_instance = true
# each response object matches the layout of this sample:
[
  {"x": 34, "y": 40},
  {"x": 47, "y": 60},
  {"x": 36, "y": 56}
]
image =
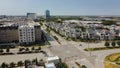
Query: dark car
[{"x": 80, "y": 45}]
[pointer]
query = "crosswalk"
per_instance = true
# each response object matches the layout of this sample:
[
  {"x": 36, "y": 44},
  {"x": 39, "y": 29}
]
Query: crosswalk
[{"x": 82, "y": 61}]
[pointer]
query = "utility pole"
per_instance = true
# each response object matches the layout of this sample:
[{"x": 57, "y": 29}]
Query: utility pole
[
  {"x": 88, "y": 42},
  {"x": 89, "y": 49}
]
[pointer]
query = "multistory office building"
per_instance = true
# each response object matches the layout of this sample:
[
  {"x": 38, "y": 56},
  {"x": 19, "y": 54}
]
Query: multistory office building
[{"x": 47, "y": 14}]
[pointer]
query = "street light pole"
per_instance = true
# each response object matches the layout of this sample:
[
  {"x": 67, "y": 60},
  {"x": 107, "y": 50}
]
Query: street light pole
[
  {"x": 89, "y": 48},
  {"x": 88, "y": 44},
  {"x": 90, "y": 53}
]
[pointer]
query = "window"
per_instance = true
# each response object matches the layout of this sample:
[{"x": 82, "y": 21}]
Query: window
[
  {"x": 21, "y": 35},
  {"x": 31, "y": 29},
  {"x": 32, "y": 39},
  {"x": 21, "y": 41},
  {"x": 20, "y": 30}
]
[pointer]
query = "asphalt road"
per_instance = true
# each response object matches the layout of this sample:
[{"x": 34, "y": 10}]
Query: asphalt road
[
  {"x": 101, "y": 56},
  {"x": 74, "y": 53},
  {"x": 67, "y": 50}
]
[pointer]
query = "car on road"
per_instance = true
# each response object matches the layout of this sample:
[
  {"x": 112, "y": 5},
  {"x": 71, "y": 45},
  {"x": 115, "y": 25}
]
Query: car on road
[{"x": 80, "y": 45}]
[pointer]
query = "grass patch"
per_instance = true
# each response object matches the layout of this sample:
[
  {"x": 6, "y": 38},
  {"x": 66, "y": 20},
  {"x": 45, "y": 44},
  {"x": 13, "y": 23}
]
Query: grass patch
[
  {"x": 110, "y": 65},
  {"x": 100, "y": 48},
  {"x": 112, "y": 61}
]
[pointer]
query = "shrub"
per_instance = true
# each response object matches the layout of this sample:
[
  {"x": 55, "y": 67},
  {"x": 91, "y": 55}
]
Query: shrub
[
  {"x": 20, "y": 63},
  {"x": 7, "y": 50},
  {"x": 12, "y": 65},
  {"x": 118, "y": 43},
  {"x": 20, "y": 49},
  {"x": 33, "y": 48},
  {"x": 1, "y": 50},
  {"x": 27, "y": 49},
  {"x": 83, "y": 66},
  {"x": 113, "y": 44},
  {"x": 107, "y": 44},
  {"x": 39, "y": 48},
  {"x": 4, "y": 65},
  {"x": 55, "y": 37}
]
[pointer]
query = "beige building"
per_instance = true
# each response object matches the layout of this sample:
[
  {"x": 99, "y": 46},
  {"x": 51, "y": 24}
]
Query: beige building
[
  {"x": 9, "y": 34},
  {"x": 38, "y": 33}
]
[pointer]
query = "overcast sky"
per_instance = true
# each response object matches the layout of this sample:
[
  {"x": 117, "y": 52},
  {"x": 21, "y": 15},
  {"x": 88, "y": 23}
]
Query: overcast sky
[{"x": 60, "y": 7}]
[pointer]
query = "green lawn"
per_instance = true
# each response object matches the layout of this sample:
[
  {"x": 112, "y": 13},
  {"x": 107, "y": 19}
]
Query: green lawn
[
  {"x": 112, "y": 61},
  {"x": 100, "y": 48}
]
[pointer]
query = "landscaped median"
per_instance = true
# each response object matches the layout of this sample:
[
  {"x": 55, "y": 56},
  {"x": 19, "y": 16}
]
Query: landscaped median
[
  {"x": 112, "y": 61},
  {"x": 22, "y": 51},
  {"x": 57, "y": 39},
  {"x": 100, "y": 48}
]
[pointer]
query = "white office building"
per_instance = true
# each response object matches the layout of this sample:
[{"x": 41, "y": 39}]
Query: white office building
[{"x": 26, "y": 34}]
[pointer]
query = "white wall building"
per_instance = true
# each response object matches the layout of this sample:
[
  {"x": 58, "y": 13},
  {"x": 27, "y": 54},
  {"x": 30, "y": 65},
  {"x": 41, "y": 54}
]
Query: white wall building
[{"x": 26, "y": 34}]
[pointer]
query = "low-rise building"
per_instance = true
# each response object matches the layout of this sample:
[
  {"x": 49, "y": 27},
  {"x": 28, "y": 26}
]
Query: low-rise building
[
  {"x": 54, "y": 60},
  {"x": 20, "y": 32},
  {"x": 9, "y": 34},
  {"x": 78, "y": 29}
]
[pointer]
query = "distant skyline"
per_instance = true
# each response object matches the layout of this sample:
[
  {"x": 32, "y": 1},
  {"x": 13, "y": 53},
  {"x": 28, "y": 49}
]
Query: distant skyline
[{"x": 60, "y": 7}]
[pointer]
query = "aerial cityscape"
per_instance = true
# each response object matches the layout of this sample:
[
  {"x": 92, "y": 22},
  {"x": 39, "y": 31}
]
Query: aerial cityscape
[{"x": 59, "y": 34}]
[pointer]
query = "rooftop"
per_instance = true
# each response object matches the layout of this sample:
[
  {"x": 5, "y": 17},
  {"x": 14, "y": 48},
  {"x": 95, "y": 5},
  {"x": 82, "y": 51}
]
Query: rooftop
[
  {"x": 50, "y": 65},
  {"x": 52, "y": 58}
]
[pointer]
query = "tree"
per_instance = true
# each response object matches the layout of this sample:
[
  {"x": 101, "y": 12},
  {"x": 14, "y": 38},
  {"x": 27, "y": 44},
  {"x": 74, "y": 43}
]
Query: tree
[
  {"x": 20, "y": 63},
  {"x": 12, "y": 65},
  {"x": 4, "y": 65},
  {"x": 113, "y": 44},
  {"x": 33, "y": 48},
  {"x": 27, "y": 62},
  {"x": 108, "y": 22},
  {"x": 1, "y": 50},
  {"x": 48, "y": 30},
  {"x": 118, "y": 43},
  {"x": 83, "y": 66},
  {"x": 55, "y": 37},
  {"x": 7, "y": 50},
  {"x": 27, "y": 49},
  {"x": 64, "y": 65},
  {"x": 59, "y": 65},
  {"x": 107, "y": 44},
  {"x": 20, "y": 49},
  {"x": 39, "y": 48},
  {"x": 36, "y": 61}
]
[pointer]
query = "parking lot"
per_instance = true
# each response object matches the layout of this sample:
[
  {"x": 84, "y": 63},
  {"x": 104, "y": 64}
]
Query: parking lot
[{"x": 21, "y": 57}]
